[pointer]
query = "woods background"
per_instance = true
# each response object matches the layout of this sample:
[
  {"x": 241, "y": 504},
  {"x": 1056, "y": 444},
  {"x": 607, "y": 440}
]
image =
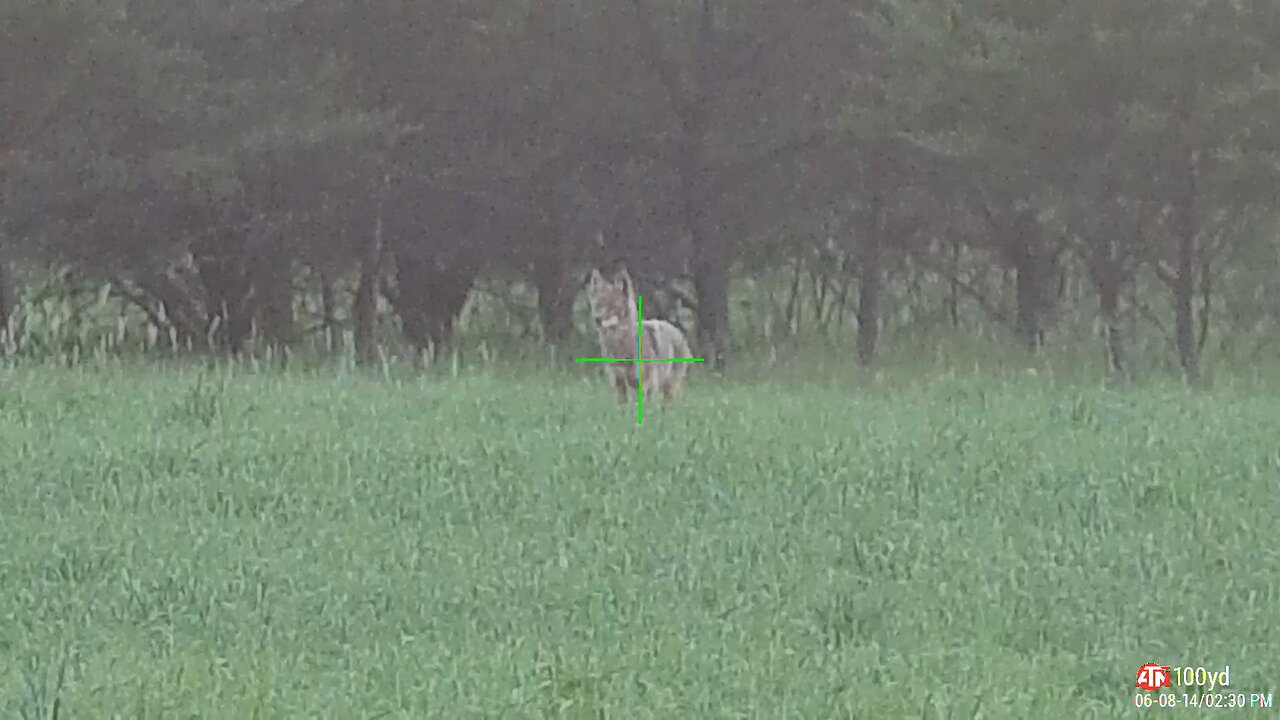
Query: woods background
[{"x": 230, "y": 176}]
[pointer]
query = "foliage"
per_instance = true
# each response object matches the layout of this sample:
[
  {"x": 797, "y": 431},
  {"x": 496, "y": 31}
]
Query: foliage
[{"x": 707, "y": 142}]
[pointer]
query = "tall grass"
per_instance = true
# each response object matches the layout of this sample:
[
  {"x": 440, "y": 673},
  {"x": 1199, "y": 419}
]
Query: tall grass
[
  {"x": 218, "y": 541},
  {"x": 73, "y": 322}
]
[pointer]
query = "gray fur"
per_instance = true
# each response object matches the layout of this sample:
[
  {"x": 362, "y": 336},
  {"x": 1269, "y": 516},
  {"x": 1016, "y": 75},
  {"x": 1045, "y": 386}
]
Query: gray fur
[{"x": 613, "y": 308}]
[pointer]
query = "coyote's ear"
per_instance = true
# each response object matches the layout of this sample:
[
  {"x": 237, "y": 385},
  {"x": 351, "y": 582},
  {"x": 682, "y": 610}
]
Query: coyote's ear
[
  {"x": 596, "y": 279},
  {"x": 623, "y": 278}
]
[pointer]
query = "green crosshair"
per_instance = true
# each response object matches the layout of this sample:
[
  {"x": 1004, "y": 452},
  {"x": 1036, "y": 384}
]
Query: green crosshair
[{"x": 640, "y": 361}]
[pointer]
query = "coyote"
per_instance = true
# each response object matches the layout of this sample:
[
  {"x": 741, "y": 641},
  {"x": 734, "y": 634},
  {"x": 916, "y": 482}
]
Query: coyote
[{"x": 613, "y": 307}]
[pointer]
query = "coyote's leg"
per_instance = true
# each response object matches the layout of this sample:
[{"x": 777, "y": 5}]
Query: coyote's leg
[
  {"x": 621, "y": 387},
  {"x": 651, "y": 392},
  {"x": 671, "y": 388}
]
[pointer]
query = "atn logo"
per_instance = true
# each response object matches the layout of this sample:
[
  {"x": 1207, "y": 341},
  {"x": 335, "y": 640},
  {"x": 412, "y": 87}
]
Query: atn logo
[{"x": 1152, "y": 677}]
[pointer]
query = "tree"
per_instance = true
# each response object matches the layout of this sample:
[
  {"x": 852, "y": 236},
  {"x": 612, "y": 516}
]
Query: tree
[{"x": 745, "y": 87}]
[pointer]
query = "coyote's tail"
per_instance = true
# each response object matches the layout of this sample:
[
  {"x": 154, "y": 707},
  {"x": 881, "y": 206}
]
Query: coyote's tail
[{"x": 682, "y": 349}]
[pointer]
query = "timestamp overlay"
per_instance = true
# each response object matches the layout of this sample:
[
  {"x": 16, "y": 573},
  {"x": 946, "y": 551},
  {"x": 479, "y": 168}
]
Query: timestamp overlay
[{"x": 1196, "y": 687}]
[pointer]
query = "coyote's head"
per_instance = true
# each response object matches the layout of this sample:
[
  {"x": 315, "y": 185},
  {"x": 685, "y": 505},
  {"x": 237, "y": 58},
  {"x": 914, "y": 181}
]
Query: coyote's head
[{"x": 613, "y": 303}]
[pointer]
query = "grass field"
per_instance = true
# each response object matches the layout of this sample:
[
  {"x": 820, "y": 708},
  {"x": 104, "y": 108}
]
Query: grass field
[{"x": 182, "y": 543}]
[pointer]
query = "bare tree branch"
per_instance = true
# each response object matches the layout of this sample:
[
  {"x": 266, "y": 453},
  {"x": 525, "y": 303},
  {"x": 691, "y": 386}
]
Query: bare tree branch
[
  {"x": 966, "y": 288},
  {"x": 121, "y": 288}
]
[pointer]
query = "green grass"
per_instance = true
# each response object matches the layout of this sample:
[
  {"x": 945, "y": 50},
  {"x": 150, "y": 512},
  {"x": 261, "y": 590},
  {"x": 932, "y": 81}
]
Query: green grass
[{"x": 223, "y": 544}]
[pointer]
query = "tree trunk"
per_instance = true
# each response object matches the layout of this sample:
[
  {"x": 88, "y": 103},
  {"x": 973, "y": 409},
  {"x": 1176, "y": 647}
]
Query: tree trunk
[
  {"x": 711, "y": 283},
  {"x": 869, "y": 281},
  {"x": 269, "y": 265},
  {"x": 553, "y": 261},
  {"x": 820, "y": 284},
  {"x": 180, "y": 316},
  {"x": 1184, "y": 272},
  {"x": 329, "y": 312},
  {"x": 555, "y": 298},
  {"x": 870, "y": 272},
  {"x": 790, "y": 314},
  {"x": 710, "y": 266},
  {"x": 1105, "y": 264},
  {"x": 1109, "y": 305},
  {"x": 272, "y": 271},
  {"x": 8, "y": 301},
  {"x": 1026, "y": 251},
  {"x": 8, "y": 288},
  {"x": 953, "y": 297},
  {"x": 222, "y": 274},
  {"x": 364, "y": 307},
  {"x": 430, "y": 294},
  {"x": 1206, "y": 301},
  {"x": 1184, "y": 328},
  {"x": 710, "y": 257}
]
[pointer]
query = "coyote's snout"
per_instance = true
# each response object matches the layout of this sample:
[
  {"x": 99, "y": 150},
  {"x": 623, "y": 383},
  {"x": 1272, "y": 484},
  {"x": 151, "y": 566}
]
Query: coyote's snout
[{"x": 613, "y": 307}]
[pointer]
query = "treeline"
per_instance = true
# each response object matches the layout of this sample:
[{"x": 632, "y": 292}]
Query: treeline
[{"x": 198, "y": 159}]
